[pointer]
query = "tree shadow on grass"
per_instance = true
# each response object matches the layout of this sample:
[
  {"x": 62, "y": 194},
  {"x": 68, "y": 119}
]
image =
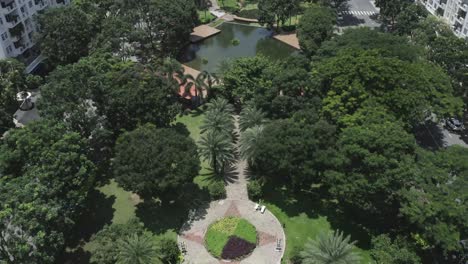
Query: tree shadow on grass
[
  {"x": 98, "y": 213},
  {"x": 316, "y": 203},
  {"x": 160, "y": 217}
]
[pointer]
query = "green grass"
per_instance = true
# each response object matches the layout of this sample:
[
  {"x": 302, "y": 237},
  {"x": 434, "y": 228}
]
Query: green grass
[
  {"x": 124, "y": 204},
  {"x": 205, "y": 16},
  {"x": 246, "y": 231},
  {"x": 305, "y": 214},
  {"x": 228, "y": 3},
  {"x": 219, "y": 233},
  {"x": 215, "y": 242},
  {"x": 193, "y": 121}
]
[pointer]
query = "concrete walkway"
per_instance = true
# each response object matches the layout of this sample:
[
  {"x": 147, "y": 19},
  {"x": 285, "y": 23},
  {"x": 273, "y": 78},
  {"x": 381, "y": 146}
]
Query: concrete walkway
[{"x": 237, "y": 203}]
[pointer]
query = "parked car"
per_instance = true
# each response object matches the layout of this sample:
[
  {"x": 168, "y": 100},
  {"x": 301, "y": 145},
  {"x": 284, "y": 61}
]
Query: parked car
[{"x": 454, "y": 124}]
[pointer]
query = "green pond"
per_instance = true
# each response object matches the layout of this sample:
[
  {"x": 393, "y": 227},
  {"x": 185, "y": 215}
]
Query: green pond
[{"x": 212, "y": 52}]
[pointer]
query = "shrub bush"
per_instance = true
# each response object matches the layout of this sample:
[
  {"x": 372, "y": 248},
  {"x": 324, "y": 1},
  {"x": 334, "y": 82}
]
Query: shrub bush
[
  {"x": 168, "y": 250},
  {"x": 236, "y": 247},
  {"x": 254, "y": 188},
  {"x": 217, "y": 190}
]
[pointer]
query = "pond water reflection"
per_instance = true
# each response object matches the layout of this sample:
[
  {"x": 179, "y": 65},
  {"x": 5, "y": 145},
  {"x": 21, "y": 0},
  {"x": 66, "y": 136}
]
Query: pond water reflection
[{"x": 209, "y": 54}]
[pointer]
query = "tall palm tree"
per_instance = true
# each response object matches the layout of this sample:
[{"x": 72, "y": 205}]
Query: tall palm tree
[
  {"x": 199, "y": 84},
  {"x": 217, "y": 149},
  {"x": 220, "y": 104},
  {"x": 248, "y": 143},
  {"x": 250, "y": 117},
  {"x": 137, "y": 249},
  {"x": 330, "y": 248},
  {"x": 210, "y": 80},
  {"x": 220, "y": 122}
]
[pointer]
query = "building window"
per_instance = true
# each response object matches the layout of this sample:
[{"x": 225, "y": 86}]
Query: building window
[
  {"x": 30, "y": 4},
  {"x": 1, "y": 21},
  {"x": 9, "y": 49},
  {"x": 5, "y": 36}
]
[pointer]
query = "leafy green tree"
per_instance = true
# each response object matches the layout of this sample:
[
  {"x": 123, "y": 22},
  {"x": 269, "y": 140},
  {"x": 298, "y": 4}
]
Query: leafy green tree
[
  {"x": 104, "y": 250},
  {"x": 12, "y": 80},
  {"x": 386, "y": 251},
  {"x": 65, "y": 33},
  {"x": 433, "y": 204},
  {"x": 45, "y": 176},
  {"x": 246, "y": 78},
  {"x": 137, "y": 95},
  {"x": 74, "y": 93},
  {"x": 316, "y": 26},
  {"x": 162, "y": 28},
  {"x": 411, "y": 91},
  {"x": 295, "y": 153},
  {"x": 363, "y": 38},
  {"x": 330, "y": 248},
  {"x": 409, "y": 18},
  {"x": 138, "y": 249},
  {"x": 250, "y": 117},
  {"x": 390, "y": 9},
  {"x": 375, "y": 160},
  {"x": 154, "y": 162},
  {"x": 217, "y": 149},
  {"x": 277, "y": 12}
]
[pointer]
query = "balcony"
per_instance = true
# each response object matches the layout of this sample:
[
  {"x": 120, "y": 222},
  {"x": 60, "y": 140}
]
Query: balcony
[
  {"x": 8, "y": 7},
  {"x": 12, "y": 20},
  {"x": 17, "y": 31}
]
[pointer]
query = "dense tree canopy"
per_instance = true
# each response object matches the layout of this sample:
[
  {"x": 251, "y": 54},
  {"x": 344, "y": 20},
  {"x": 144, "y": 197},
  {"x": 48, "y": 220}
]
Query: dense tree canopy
[
  {"x": 388, "y": 45},
  {"x": 294, "y": 153},
  {"x": 316, "y": 26},
  {"x": 411, "y": 91},
  {"x": 65, "y": 33},
  {"x": 276, "y": 11},
  {"x": 101, "y": 91},
  {"x": 384, "y": 250},
  {"x": 375, "y": 160},
  {"x": 155, "y": 162},
  {"x": 45, "y": 175},
  {"x": 434, "y": 204}
]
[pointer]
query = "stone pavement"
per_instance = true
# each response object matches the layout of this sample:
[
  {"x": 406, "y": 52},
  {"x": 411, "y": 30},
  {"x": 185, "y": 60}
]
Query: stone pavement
[
  {"x": 237, "y": 203},
  {"x": 268, "y": 230}
]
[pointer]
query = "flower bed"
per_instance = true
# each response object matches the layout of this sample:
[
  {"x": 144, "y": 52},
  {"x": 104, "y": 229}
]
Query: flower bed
[{"x": 231, "y": 238}]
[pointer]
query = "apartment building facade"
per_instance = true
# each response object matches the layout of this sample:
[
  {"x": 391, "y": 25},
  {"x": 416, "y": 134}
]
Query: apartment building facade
[
  {"x": 18, "y": 26},
  {"x": 453, "y": 11}
]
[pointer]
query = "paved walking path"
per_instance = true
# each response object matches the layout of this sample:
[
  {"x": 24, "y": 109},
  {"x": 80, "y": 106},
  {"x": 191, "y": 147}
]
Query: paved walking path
[{"x": 237, "y": 203}]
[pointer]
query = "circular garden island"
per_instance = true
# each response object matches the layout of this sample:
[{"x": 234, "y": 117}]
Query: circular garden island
[{"x": 231, "y": 238}]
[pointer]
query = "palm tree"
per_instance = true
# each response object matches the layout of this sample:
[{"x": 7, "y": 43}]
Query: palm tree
[
  {"x": 210, "y": 80},
  {"x": 220, "y": 104},
  {"x": 250, "y": 117},
  {"x": 330, "y": 248},
  {"x": 248, "y": 143},
  {"x": 175, "y": 73},
  {"x": 137, "y": 250},
  {"x": 216, "y": 121},
  {"x": 217, "y": 149},
  {"x": 199, "y": 84}
]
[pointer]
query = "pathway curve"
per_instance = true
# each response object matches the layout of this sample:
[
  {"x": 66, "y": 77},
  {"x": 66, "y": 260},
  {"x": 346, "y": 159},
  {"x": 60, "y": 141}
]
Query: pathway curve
[{"x": 237, "y": 203}]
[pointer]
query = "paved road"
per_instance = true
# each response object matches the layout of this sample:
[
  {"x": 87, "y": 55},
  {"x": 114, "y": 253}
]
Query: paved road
[
  {"x": 434, "y": 136},
  {"x": 360, "y": 13}
]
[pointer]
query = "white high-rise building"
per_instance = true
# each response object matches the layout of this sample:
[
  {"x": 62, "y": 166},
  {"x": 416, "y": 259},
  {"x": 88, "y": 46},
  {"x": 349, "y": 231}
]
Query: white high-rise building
[
  {"x": 17, "y": 27},
  {"x": 453, "y": 11}
]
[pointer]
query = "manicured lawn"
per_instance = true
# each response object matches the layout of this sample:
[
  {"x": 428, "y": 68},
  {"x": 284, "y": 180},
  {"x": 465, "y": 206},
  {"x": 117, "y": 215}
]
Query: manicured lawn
[
  {"x": 205, "y": 16},
  {"x": 221, "y": 232},
  {"x": 124, "y": 204},
  {"x": 304, "y": 215},
  {"x": 228, "y": 3},
  {"x": 193, "y": 121}
]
